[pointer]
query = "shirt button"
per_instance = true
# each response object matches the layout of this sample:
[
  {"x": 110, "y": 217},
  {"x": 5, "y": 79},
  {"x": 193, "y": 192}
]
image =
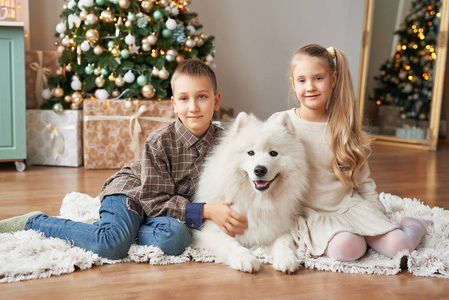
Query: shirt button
[{"x": 192, "y": 225}]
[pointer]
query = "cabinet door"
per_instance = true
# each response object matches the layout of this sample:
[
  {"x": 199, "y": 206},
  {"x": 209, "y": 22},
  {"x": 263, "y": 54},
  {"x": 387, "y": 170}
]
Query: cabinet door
[{"x": 12, "y": 94}]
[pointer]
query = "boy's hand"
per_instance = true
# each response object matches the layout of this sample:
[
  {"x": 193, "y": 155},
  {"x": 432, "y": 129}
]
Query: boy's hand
[{"x": 225, "y": 217}]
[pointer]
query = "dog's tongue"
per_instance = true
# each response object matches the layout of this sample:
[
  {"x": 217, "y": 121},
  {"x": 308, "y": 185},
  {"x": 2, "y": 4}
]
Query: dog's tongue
[{"x": 261, "y": 184}]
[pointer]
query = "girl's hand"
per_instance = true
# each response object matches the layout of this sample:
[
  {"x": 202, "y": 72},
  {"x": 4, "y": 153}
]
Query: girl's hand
[{"x": 225, "y": 217}]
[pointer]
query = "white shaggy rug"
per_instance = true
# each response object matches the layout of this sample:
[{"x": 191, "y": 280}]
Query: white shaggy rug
[{"x": 28, "y": 255}]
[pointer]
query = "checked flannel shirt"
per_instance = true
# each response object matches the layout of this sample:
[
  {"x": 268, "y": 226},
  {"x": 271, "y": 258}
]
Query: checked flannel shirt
[{"x": 165, "y": 177}]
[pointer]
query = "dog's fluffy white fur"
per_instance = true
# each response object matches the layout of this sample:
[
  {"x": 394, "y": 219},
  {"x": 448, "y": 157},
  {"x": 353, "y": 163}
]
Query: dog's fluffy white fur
[{"x": 260, "y": 166}]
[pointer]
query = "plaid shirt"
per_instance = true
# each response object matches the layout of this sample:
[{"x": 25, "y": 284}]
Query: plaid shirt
[{"x": 165, "y": 177}]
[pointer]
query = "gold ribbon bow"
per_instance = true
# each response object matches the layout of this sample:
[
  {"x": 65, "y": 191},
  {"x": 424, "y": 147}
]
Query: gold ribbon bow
[
  {"x": 55, "y": 137},
  {"x": 41, "y": 77},
  {"x": 135, "y": 133}
]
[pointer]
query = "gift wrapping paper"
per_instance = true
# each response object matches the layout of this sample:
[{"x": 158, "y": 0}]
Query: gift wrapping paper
[
  {"x": 39, "y": 66},
  {"x": 54, "y": 139},
  {"x": 115, "y": 131}
]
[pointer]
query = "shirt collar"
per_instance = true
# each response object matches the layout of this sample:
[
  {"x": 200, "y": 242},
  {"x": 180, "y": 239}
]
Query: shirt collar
[{"x": 188, "y": 139}]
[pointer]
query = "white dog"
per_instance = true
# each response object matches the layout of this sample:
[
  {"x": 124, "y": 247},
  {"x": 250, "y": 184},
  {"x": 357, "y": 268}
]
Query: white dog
[{"x": 260, "y": 166}]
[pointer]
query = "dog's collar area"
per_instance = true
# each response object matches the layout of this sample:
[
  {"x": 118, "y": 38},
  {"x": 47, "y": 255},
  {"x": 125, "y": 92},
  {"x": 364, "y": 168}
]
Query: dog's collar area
[{"x": 262, "y": 185}]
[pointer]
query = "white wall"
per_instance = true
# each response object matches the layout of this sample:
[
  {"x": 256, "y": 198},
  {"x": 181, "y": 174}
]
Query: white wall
[{"x": 254, "y": 42}]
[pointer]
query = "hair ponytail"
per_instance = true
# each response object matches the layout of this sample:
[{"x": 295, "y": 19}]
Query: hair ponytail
[{"x": 349, "y": 144}]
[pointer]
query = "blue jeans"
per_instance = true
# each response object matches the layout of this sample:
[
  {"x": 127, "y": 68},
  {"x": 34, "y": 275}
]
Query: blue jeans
[{"x": 122, "y": 221}]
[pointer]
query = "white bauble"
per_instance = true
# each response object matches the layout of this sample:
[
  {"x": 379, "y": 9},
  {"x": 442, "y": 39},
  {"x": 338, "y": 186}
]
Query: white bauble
[
  {"x": 86, "y": 3},
  {"x": 210, "y": 58},
  {"x": 172, "y": 52},
  {"x": 190, "y": 29},
  {"x": 128, "y": 104},
  {"x": 92, "y": 18},
  {"x": 152, "y": 39},
  {"x": 130, "y": 39},
  {"x": 85, "y": 46},
  {"x": 60, "y": 49},
  {"x": 61, "y": 27},
  {"x": 46, "y": 94},
  {"x": 65, "y": 41},
  {"x": 71, "y": 4},
  {"x": 129, "y": 77},
  {"x": 101, "y": 94},
  {"x": 171, "y": 24},
  {"x": 155, "y": 71},
  {"x": 190, "y": 43},
  {"x": 76, "y": 85}
]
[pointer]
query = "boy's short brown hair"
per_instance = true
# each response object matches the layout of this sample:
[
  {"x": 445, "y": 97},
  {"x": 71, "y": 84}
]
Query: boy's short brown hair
[{"x": 194, "y": 67}]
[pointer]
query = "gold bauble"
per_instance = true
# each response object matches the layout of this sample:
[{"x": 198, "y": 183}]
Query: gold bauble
[
  {"x": 115, "y": 52},
  {"x": 92, "y": 35},
  {"x": 83, "y": 15},
  {"x": 154, "y": 53},
  {"x": 77, "y": 97},
  {"x": 115, "y": 93},
  {"x": 146, "y": 5},
  {"x": 78, "y": 101},
  {"x": 99, "y": 81},
  {"x": 68, "y": 98},
  {"x": 124, "y": 4},
  {"x": 179, "y": 58},
  {"x": 58, "y": 92},
  {"x": 74, "y": 106},
  {"x": 148, "y": 91},
  {"x": 107, "y": 16},
  {"x": 112, "y": 77},
  {"x": 119, "y": 81}
]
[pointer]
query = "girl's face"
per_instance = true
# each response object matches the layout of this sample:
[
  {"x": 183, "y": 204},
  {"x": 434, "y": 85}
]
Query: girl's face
[{"x": 312, "y": 82}]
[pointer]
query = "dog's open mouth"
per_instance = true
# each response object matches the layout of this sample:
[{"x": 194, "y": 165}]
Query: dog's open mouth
[{"x": 262, "y": 185}]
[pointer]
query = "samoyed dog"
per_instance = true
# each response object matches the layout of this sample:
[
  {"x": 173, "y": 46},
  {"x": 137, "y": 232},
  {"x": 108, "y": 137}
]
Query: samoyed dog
[{"x": 260, "y": 166}]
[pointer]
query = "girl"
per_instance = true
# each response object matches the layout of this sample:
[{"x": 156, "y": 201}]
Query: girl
[{"x": 342, "y": 211}]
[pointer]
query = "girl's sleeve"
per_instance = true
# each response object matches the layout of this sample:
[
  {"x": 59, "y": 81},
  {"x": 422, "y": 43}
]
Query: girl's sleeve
[{"x": 366, "y": 187}]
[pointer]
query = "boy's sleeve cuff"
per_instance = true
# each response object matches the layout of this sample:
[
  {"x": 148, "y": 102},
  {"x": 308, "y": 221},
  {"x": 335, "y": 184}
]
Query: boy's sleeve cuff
[{"x": 194, "y": 215}]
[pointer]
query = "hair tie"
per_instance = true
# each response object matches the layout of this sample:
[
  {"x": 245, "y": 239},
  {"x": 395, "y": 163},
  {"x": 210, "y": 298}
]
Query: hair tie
[{"x": 331, "y": 51}]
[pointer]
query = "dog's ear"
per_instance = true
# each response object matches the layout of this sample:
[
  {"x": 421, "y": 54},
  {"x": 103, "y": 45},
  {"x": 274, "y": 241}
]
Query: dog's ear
[
  {"x": 240, "y": 122},
  {"x": 283, "y": 120}
]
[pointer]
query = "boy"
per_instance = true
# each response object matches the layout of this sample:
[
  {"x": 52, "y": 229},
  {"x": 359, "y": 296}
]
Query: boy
[{"x": 148, "y": 199}]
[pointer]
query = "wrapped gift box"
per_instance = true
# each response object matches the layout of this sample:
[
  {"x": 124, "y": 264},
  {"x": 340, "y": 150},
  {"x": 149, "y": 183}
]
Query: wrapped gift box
[
  {"x": 115, "y": 131},
  {"x": 54, "y": 139},
  {"x": 39, "y": 66}
]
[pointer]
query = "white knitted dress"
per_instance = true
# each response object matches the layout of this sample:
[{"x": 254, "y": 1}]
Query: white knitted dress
[{"x": 330, "y": 207}]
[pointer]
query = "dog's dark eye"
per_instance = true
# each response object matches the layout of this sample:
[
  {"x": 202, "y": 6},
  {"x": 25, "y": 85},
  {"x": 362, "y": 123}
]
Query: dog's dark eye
[
  {"x": 273, "y": 153},
  {"x": 251, "y": 153}
]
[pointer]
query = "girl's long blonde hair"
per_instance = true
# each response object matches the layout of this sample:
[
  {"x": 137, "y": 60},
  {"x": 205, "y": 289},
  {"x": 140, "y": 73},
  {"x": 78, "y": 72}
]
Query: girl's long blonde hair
[{"x": 349, "y": 144}]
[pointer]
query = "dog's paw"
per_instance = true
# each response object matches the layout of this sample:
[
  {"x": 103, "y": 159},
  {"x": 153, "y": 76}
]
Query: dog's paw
[
  {"x": 287, "y": 263},
  {"x": 246, "y": 263}
]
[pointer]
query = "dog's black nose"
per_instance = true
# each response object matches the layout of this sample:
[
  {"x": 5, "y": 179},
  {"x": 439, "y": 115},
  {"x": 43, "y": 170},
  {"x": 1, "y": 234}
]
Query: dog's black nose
[{"x": 260, "y": 171}]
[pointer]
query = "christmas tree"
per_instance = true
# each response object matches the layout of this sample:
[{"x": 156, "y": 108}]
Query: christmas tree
[
  {"x": 406, "y": 78},
  {"x": 122, "y": 49}
]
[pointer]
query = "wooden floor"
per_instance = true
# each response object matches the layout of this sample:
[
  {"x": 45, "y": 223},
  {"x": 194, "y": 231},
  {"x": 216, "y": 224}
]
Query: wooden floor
[{"x": 400, "y": 171}]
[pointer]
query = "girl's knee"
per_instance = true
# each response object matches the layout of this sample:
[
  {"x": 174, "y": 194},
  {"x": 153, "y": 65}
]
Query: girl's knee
[{"x": 346, "y": 246}]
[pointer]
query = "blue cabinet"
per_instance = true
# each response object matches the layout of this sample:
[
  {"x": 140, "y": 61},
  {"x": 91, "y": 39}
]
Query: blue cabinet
[{"x": 12, "y": 94}]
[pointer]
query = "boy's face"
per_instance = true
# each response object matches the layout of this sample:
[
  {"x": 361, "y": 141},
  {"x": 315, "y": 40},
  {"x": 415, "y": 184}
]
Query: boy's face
[{"x": 194, "y": 102}]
